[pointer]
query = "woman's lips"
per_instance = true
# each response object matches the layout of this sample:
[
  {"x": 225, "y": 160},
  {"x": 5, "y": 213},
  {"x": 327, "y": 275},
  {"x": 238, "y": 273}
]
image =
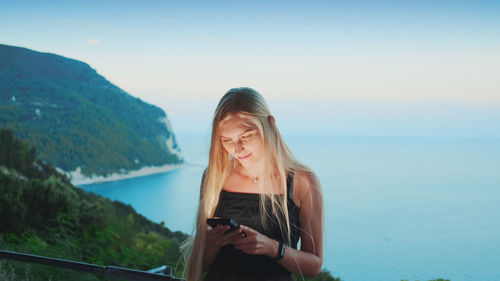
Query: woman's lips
[{"x": 245, "y": 157}]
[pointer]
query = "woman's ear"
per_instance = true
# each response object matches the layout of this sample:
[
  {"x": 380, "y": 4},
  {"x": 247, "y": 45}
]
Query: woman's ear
[{"x": 272, "y": 121}]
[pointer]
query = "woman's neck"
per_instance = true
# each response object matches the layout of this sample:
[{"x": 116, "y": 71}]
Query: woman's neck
[
  {"x": 248, "y": 172},
  {"x": 251, "y": 172}
]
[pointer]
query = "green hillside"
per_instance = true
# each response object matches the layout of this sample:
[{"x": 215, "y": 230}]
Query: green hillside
[
  {"x": 76, "y": 118},
  {"x": 42, "y": 213}
]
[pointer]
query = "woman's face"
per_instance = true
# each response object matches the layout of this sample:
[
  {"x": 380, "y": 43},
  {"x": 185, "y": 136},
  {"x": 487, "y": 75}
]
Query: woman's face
[{"x": 241, "y": 138}]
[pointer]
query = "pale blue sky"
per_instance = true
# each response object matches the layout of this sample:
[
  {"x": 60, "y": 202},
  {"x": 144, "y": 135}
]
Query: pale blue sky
[{"x": 423, "y": 68}]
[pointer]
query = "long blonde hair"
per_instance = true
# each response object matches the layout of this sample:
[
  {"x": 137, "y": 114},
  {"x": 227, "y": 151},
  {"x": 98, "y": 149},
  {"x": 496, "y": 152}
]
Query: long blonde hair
[{"x": 278, "y": 162}]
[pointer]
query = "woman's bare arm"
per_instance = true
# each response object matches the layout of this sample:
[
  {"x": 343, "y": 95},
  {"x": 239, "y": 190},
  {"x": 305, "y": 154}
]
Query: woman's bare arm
[{"x": 309, "y": 260}]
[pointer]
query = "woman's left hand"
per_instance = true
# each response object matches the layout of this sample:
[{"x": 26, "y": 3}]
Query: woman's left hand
[{"x": 256, "y": 243}]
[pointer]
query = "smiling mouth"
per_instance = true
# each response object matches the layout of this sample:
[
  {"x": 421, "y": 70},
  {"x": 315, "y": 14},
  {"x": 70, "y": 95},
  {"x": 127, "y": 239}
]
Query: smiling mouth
[{"x": 244, "y": 157}]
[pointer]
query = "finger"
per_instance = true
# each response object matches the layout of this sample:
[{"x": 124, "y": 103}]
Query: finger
[
  {"x": 217, "y": 231},
  {"x": 221, "y": 228},
  {"x": 211, "y": 230},
  {"x": 209, "y": 227},
  {"x": 236, "y": 233},
  {"x": 232, "y": 236},
  {"x": 247, "y": 229},
  {"x": 245, "y": 240},
  {"x": 244, "y": 234},
  {"x": 238, "y": 237}
]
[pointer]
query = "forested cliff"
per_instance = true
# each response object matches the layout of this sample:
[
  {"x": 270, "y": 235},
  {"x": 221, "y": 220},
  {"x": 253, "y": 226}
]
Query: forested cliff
[{"x": 77, "y": 119}]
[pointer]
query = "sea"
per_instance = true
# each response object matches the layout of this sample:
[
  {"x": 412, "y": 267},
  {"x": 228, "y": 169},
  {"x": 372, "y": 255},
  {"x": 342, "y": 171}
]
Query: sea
[{"x": 396, "y": 208}]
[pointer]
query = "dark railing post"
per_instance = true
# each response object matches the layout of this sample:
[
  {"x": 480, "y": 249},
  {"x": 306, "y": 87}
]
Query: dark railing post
[{"x": 160, "y": 273}]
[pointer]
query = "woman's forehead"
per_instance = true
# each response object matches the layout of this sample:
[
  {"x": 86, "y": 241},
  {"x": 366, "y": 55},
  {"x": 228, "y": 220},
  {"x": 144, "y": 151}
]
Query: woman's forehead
[{"x": 235, "y": 123}]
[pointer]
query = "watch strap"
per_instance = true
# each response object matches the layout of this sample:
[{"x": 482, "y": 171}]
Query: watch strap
[{"x": 281, "y": 251}]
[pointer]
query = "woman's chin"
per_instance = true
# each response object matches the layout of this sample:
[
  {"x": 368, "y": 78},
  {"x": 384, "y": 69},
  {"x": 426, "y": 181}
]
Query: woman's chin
[{"x": 245, "y": 162}]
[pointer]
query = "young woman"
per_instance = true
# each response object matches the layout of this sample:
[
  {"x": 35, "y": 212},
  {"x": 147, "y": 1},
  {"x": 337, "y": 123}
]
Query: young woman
[{"x": 253, "y": 178}]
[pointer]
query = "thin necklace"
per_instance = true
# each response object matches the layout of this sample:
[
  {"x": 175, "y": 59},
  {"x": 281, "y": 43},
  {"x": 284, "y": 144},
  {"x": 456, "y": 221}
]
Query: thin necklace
[{"x": 255, "y": 180}]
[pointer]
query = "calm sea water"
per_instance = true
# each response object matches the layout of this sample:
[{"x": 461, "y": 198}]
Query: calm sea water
[{"x": 395, "y": 208}]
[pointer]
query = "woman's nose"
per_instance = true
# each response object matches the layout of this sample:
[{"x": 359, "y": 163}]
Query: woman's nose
[{"x": 238, "y": 147}]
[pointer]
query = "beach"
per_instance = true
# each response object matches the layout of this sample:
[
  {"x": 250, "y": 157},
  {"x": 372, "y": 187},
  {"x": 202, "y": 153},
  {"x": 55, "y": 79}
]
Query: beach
[{"x": 77, "y": 178}]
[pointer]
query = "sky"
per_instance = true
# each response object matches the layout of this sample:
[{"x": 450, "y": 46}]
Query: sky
[{"x": 347, "y": 68}]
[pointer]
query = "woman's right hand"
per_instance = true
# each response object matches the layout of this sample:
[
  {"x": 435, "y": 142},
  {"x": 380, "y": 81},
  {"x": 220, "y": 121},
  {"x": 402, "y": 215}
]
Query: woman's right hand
[{"x": 216, "y": 237}]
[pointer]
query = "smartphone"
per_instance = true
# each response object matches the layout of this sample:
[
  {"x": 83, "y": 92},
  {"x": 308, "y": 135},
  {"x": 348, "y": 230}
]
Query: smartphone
[{"x": 213, "y": 222}]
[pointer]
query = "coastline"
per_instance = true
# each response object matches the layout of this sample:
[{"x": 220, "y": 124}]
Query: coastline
[{"x": 77, "y": 178}]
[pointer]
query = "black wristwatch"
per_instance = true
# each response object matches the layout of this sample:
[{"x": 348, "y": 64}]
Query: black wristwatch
[{"x": 281, "y": 251}]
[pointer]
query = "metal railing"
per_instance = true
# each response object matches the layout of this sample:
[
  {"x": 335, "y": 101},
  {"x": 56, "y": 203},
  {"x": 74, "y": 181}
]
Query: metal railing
[{"x": 161, "y": 273}]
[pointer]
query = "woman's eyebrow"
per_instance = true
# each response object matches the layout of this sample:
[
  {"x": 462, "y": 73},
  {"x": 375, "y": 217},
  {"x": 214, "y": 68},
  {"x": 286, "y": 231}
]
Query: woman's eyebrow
[{"x": 246, "y": 131}]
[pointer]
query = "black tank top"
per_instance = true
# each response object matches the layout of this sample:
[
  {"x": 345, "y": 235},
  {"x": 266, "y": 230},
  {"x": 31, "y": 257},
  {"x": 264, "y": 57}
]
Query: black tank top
[{"x": 244, "y": 208}]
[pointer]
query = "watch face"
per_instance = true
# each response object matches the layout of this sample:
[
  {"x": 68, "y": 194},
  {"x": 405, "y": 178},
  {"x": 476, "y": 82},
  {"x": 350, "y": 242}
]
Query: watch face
[{"x": 283, "y": 247}]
